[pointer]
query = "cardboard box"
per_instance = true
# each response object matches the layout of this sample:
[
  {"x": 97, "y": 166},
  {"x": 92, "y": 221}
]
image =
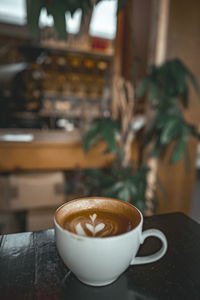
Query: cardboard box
[{"x": 31, "y": 190}]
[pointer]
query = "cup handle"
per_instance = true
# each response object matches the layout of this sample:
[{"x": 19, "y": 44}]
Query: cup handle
[{"x": 153, "y": 257}]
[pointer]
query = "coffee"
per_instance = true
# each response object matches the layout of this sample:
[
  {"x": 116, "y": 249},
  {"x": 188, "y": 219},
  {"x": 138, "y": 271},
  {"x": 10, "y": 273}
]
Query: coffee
[
  {"x": 97, "y": 223},
  {"x": 98, "y": 238},
  {"x": 99, "y": 218}
]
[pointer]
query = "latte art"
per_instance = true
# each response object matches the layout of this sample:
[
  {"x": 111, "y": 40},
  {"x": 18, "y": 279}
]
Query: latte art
[
  {"x": 92, "y": 226},
  {"x": 98, "y": 223}
]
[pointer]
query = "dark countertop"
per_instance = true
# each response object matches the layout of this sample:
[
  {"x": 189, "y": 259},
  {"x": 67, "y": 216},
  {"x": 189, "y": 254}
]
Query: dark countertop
[{"x": 30, "y": 267}]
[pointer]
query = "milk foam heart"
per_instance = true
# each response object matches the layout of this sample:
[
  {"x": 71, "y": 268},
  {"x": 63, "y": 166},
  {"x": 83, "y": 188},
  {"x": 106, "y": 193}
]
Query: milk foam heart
[{"x": 93, "y": 227}]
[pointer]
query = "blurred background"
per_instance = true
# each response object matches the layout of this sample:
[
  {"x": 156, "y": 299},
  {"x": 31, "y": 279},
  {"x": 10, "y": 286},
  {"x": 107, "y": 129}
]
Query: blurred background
[{"x": 51, "y": 90}]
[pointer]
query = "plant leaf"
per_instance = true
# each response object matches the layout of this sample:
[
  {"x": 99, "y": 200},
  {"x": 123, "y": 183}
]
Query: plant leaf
[
  {"x": 124, "y": 194},
  {"x": 194, "y": 82},
  {"x": 121, "y": 4},
  {"x": 179, "y": 149},
  {"x": 91, "y": 136},
  {"x": 34, "y": 15},
  {"x": 192, "y": 130},
  {"x": 109, "y": 137},
  {"x": 57, "y": 10},
  {"x": 140, "y": 204},
  {"x": 115, "y": 188},
  {"x": 153, "y": 93},
  {"x": 60, "y": 25},
  {"x": 185, "y": 97},
  {"x": 161, "y": 187},
  {"x": 133, "y": 190},
  {"x": 108, "y": 128},
  {"x": 170, "y": 130},
  {"x": 158, "y": 148},
  {"x": 143, "y": 87}
]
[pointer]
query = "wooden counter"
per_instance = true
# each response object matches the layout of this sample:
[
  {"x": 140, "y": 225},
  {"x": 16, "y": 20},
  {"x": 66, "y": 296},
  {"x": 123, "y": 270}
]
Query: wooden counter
[{"x": 55, "y": 150}]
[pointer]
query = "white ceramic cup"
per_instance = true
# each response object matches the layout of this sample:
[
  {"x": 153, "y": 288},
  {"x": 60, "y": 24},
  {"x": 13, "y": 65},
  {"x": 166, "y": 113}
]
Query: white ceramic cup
[{"x": 100, "y": 261}]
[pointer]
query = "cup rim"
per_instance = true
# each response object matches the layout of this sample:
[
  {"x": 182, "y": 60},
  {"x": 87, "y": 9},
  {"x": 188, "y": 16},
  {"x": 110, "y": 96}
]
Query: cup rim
[{"x": 75, "y": 235}]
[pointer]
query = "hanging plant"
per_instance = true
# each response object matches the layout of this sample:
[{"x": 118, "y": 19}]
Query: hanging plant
[{"x": 57, "y": 9}]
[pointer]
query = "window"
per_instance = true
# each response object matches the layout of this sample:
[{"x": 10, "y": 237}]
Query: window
[
  {"x": 103, "y": 22},
  {"x": 13, "y": 11},
  {"x": 104, "y": 19}
]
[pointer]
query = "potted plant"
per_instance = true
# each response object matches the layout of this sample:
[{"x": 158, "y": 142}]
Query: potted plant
[{"x": 167, "y": 91}]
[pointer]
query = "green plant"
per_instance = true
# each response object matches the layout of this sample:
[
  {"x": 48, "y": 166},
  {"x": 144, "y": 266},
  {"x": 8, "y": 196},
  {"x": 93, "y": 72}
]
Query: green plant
[
  {"x": 125, "y": 183},
  {"x": 57, "y": 9},
  {"x": 105, "y": 129},
  {"x": 166, "y": 85},
  {"x": 167, "y": 91}
]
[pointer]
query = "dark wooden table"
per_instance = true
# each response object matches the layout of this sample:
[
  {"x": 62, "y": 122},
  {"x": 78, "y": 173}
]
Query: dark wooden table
[{"x": 30, "y": 267}]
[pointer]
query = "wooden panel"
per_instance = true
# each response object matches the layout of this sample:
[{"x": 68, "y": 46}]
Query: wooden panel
[
  {"x": 136, "y": 38},
  {"x": 183, "y": 42},
  {"x": 177, "y": 183},
  {"x": 55, "y": 156}
]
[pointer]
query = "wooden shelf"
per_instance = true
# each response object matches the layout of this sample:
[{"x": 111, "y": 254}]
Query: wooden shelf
[{"x": 61, "y": 151}]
